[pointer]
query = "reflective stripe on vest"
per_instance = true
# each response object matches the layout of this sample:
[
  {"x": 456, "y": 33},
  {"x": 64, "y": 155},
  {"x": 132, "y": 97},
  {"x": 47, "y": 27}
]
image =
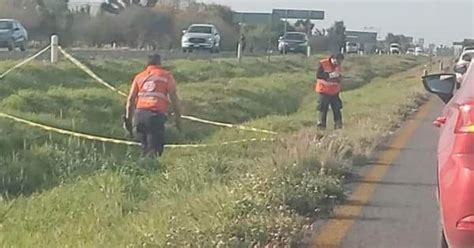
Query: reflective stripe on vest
[
  {"x": 152, "y": 93},
  {"x": 330, "y": 86}
]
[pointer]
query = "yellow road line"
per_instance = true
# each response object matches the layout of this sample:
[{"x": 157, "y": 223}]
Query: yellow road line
[{"x": 333, "y": 233}]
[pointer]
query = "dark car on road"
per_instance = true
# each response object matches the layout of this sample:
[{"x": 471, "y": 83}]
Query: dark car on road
[
  {"x": 296, "y": 42},
  {"x": 12, "y": 35}
]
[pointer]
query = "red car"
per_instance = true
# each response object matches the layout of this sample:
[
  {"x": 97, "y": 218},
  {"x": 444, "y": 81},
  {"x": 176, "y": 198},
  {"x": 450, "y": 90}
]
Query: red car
[{"x": 455, "y": 156}]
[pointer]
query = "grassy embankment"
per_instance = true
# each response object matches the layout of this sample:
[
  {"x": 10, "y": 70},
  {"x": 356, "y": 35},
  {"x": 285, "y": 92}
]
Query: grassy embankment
[{"x": 60, "y": 191}]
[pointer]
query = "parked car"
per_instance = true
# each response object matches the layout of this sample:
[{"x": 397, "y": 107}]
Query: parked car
[
  {"x": 455, "y": 156},
  {"x": 418, "y": 51},
  {"x": 352, "y": 48},
  {"x": 463, "y": 61},
  {"x": 295, "y": 42},
  {"x": 466, "y": 54},
  {"x": 12, "y": 35},
  {"x": 468, "y": 48},
  {"x": 395, "y": 48},
  {"x": 411, "y": 51},
  {"x": 201, "y": 36}
]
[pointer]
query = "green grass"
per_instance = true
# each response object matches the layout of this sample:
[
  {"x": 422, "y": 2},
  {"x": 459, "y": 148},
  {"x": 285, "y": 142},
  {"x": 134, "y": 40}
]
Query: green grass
[{"x": 65, "y": 192}]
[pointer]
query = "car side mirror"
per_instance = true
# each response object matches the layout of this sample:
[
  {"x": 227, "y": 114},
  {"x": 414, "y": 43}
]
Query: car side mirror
[
  {"x": 441, "y": 85},
  {"x": 184, "y": 31},
  {"x": 461, "y": 69},
  {"x": 16, "y": 29}
]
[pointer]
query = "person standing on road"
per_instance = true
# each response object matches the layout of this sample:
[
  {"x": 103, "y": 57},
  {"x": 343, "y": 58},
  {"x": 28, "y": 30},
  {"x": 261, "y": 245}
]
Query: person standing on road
[
  {"x": 328, "y": 86},
  {"x": 151, "y": 92},
  {"x": 243, "y": 42}
]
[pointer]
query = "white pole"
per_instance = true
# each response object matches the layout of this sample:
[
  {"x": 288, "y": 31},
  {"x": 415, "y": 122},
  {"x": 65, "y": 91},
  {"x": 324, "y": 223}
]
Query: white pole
[
  {"x": 308, "y": 51},
  {"x": 54, "y": 49},
  {"x": 239, "y": 52}
]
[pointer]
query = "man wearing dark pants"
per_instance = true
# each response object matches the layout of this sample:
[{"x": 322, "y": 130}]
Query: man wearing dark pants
[
  {"x": 328, "y": 86},
  {"x": 150, "y": 128},
  {"x": 148, "y": 101},
  {"x": 326, "y": 101}
]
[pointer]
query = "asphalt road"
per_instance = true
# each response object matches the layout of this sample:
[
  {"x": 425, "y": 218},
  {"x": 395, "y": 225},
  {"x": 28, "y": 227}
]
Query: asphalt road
[
  {"x": 393, "y": 203},
  {"x": 120, "y": 54}
]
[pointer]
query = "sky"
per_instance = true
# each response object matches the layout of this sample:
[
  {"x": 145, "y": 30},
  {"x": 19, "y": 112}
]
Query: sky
[{"x": 437, "y": 21}]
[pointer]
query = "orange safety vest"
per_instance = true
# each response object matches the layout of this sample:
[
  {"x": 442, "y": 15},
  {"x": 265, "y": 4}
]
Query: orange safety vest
[
  {"x": 153, "y": 86},
  {"x": 330, "y": 86}
]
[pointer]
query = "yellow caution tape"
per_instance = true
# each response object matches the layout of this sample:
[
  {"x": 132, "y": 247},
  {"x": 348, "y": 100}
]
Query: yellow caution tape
[
  {"x": 191, "y": 118},
  {"x": 89, "y": 71},
  {"x": 24, "y": 62},
  {"x": 244, "y": 128},
  {"x": 119, "y": 141}
]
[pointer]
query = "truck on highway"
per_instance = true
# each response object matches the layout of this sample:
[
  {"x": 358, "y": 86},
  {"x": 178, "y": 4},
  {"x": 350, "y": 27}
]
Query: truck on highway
[
  {"x": 395, "y": 48},
  {"x": 296, "y": 42},
  {"x": 201, "y": 36}
]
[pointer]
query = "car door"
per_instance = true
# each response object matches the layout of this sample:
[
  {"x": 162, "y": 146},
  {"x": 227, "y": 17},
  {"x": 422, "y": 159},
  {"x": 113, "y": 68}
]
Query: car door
[
  {"x": 450, "y": 116},
  {"x": 447, "y": 121},
  {"x": 24, "y": 33},
  {"x": 217, "y": 36},
  {"x": 446, "y": 135},
  {"x": 16, "y": 34}
]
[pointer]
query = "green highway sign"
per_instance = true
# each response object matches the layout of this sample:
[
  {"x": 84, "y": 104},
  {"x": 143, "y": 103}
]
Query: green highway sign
[
  {"x": 263, "y": 18},
  {"x": 251, "y": 18},
  {"x": 299, "y": 14}
]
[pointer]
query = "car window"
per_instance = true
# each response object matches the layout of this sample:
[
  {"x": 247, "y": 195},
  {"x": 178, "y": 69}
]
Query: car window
[
  {"x": 6, "y": 25},
  {"x": 200, "y": 29},
  {"x": 295, "y": 36},
  {"x": 470, "y": 52}
]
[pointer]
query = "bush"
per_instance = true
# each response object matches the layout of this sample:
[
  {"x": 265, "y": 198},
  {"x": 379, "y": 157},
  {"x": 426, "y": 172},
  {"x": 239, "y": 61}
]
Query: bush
[
  {"x": 105, "y": 29},
  {"x": 146, "y": 27}
]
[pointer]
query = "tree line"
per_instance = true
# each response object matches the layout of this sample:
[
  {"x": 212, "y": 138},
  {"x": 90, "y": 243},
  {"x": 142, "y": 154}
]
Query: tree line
[{"x": 151, "y": 23}]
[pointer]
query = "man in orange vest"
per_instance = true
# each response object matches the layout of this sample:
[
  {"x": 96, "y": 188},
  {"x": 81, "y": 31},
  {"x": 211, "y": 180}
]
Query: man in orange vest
[
  {"x": 328, "y": 86},
  {"x": 151, "y": 92}
]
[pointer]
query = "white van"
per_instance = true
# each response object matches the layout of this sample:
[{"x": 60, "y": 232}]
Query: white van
[
  {"x": 352, "y": 48},
  {"x": 418, "y": 51},
  {"x": 395, "y": 48}
]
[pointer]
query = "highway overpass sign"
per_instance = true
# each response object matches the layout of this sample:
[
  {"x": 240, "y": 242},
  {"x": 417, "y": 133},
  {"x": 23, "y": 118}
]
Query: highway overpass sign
[
  {"x": 299, "y": 14},
  {"x": 251, "y": 18}
]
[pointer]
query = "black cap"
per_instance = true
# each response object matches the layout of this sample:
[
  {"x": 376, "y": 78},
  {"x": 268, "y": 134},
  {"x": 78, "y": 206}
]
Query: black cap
[{"x": 154, "y": 59}]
